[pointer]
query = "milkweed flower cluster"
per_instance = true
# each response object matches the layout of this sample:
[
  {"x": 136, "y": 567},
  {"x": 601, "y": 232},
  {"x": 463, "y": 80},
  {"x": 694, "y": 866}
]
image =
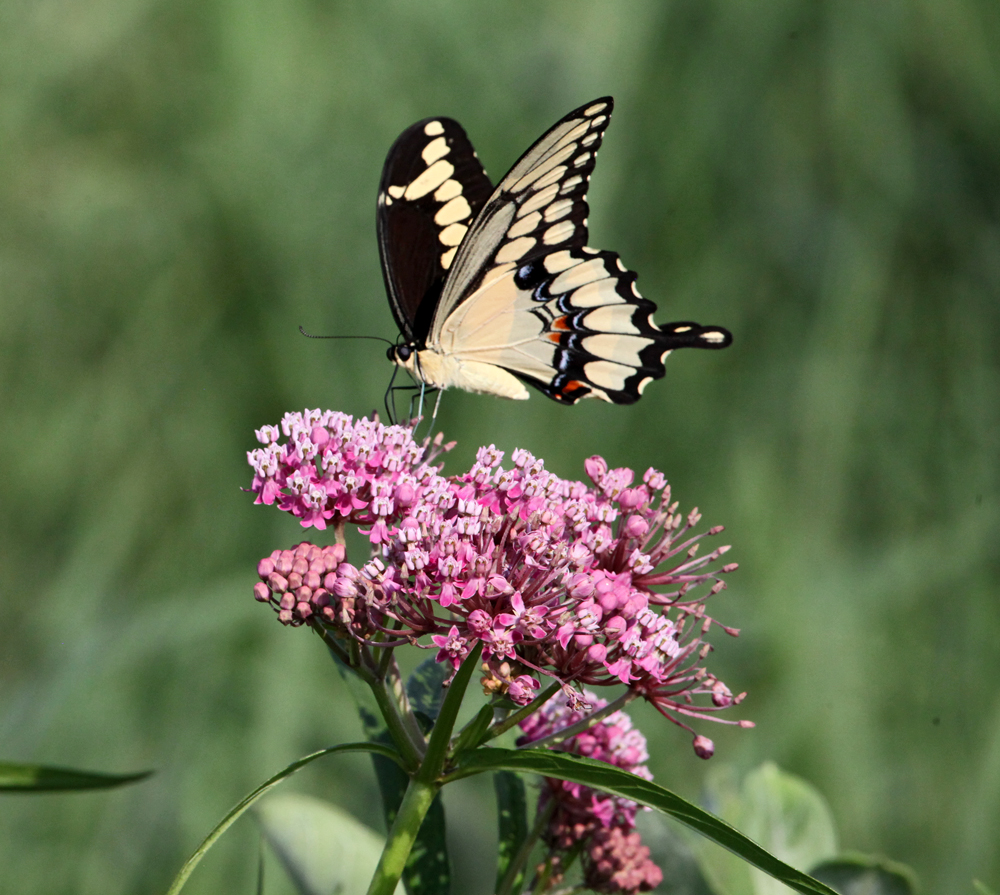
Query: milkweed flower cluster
[
  {"x": 614, "y": 858},
  {"x": 593, "y": 584}
]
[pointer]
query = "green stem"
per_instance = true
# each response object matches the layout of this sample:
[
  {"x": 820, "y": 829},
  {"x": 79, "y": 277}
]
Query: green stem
[
  {"x": 582, "y": 725},
  {"x": 516, "y": 868},
  {"x": 394, "y": 681},
  {"x": 518, "y": 716},
  {"x": 542, "y": 880},
  {"x": 437, "y": 747},
  {"x": 409, "y": 749},
  {"x": 403, "y": 834}
]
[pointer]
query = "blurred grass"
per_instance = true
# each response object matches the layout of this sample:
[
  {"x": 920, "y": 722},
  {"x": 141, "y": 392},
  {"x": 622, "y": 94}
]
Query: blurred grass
[{"x": 183, "y": 183}]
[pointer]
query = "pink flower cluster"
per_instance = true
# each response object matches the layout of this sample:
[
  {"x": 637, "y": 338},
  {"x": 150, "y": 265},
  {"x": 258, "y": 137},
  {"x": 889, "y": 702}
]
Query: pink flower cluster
[
  {"x": 588, "y": 584},
  {"x": 335, "y": 468},
  {"x": 614, "y": 858}
]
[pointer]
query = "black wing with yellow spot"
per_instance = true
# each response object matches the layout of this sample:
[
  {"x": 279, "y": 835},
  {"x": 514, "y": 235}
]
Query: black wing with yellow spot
[{"x": 432, "y": 188}]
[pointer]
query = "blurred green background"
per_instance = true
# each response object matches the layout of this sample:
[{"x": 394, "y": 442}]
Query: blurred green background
[{"x": 184, "y": 182}]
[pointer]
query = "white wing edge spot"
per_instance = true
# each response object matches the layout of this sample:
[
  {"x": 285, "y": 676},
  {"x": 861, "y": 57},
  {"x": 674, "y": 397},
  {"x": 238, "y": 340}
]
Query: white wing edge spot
[
  {"x": 448, "y": 257},
  {"x": 433, "y": 128},
  {"x": 396, "y": 191},
  {"x": 714, "y": 336}
]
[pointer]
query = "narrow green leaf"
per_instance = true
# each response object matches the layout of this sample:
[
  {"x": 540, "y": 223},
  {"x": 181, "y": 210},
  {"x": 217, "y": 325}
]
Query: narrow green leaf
[
  {"x": 669, "y": 844},
  {"x": 16, "y": 777},
  {"x": 323, "y": 848},
  {"x": 512, "y": 823},
  {"x": 240, "y": 807},
  {"x": 598, "y": 775},
  {"x": 473, "y": 733},
  {"x": 865, "y": 875},
  {"x": 783, "y": 813},
  {"x": 428, "y": 869},
  {"x": 425, "y": 687}
]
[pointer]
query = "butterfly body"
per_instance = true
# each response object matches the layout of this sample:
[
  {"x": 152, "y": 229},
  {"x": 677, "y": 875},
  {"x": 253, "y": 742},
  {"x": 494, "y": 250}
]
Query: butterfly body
[{"x": 495, "y": 287}]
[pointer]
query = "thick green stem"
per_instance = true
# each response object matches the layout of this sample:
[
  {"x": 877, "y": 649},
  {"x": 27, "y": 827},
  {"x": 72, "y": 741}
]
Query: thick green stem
[
  {"x": 437, "y": 747},
  {"x": 409, "y": 749},
  {"x": 403, "y": 834}
]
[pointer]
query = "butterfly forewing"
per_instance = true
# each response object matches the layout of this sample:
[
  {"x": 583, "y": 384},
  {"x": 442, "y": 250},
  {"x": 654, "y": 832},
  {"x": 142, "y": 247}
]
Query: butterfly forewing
[
  {"x": 432, "y": 188},
  {"x": 540, "y": 206}
]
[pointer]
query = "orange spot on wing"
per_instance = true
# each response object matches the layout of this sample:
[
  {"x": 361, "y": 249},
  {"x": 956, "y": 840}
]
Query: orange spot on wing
[{"x": 561, "y": 323}]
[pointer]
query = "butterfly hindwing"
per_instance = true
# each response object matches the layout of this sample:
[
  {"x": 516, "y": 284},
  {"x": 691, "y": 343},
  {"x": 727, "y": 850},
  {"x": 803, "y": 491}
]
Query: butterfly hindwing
[
  {"x": 432, "y": 188},
  {"x": 539, "y": 206},
  {"x": 573, "y": 324}
]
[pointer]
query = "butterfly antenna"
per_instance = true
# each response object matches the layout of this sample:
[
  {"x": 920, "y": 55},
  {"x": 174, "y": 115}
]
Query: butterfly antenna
[{"x": 373, "y": 338}]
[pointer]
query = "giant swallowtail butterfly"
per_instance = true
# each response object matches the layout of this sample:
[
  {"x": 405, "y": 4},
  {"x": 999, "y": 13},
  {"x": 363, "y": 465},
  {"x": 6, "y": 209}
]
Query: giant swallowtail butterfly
[{"x": 495, "y": 288}]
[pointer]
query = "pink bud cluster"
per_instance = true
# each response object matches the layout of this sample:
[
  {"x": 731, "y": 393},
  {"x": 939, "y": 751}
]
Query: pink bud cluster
[
  {"x": 589, "y": 584},
  {"x": 614, "y": 858}
]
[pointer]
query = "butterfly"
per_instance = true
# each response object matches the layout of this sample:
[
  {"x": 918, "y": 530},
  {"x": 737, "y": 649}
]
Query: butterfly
[{"x": 493, "y": 288}]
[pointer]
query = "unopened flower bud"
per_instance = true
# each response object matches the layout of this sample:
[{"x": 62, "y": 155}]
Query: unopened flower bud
[
  {"x": 635, "y": 527},
  {"x": 595, "y": 467},
  {"x": 261, "y": 592},
  {"x": 703, "y": 746}
]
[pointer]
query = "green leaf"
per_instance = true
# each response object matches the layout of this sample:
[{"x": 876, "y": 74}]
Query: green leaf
[
  {"x": 781, "y": 812},
  {"x": 669, "y": 846},
  {"x": 512, "y": 823},
  {"x": 428, "y": 868},
  {"x": 473, "y": 732},
  {"x": 865, "y": 875},
  {"x": 425, "y": 687},
  {"x": 323, "y": 848},
  {"x": 599, "y": 775},
  {"x": 16, "y": 777},
  {"x": 240, "y": 807}
]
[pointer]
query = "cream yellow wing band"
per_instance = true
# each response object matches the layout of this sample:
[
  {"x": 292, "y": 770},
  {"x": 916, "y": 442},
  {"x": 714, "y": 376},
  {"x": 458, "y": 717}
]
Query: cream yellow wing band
[{"x": 442, "y": 371}]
